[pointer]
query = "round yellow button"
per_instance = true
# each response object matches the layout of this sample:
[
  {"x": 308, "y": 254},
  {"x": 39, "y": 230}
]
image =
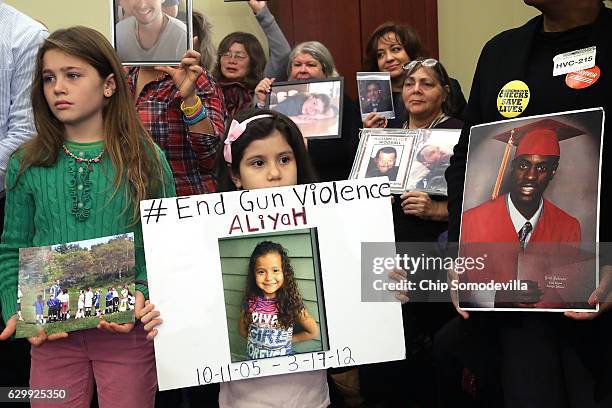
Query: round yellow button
[{"x": 513, "y": 98}]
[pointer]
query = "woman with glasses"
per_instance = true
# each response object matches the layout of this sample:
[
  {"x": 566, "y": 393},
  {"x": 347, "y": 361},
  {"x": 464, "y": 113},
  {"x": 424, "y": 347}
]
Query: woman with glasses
[
  {"x": 241, "y": 61},
  {"x": 427, "y": 97},
  {"x": 389, "y": 49},
  {"x": 332, "y": 158}
]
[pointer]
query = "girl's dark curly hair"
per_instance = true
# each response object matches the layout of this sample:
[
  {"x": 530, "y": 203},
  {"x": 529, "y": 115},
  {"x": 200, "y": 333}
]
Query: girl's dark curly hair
[{"x": 289, "y": 298}]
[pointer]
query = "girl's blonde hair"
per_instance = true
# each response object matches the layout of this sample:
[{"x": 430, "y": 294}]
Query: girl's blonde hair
[{"x": 129, "y": 146}]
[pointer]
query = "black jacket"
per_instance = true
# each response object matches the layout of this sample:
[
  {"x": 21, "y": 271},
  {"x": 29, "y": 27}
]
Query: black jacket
[
  {"x": 509, "y": 56},
  {"x": 526, "y": 53}
]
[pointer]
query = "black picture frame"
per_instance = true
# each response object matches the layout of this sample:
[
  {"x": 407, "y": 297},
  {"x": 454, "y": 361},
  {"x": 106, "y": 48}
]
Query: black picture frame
[{"x": 317, "y": 130}]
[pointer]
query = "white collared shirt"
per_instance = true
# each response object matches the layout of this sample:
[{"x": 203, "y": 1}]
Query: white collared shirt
[
  {"x": 20, "y": 38},
  {"x": 519, "y": 221}
]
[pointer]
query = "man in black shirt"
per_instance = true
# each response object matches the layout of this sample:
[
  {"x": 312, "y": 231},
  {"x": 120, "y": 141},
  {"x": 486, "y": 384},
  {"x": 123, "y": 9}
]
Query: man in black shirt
[{"x": 536, "y": 360}]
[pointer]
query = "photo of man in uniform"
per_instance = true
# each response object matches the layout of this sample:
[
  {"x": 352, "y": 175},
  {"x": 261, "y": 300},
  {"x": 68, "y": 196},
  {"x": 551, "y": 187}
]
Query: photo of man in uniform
[
  {"x": 148, "y": 34},
  {"x": 384, "y": 163}
]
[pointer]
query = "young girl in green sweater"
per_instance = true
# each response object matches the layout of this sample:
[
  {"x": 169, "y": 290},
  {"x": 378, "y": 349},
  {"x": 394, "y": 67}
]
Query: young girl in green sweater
[{"x": 81, "y": 177}]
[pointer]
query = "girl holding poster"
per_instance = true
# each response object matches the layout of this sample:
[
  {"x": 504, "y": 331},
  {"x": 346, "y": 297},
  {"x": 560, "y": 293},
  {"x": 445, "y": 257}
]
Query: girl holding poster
[
  {"x": 263, "y": 149},
  {"x": 272, "y": 305},
  {"x": 82, "y": 176}
]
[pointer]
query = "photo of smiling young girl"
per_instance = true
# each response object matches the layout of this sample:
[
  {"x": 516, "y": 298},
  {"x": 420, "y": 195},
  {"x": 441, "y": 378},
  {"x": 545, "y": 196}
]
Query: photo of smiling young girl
[{"x": 273, "y": 305}]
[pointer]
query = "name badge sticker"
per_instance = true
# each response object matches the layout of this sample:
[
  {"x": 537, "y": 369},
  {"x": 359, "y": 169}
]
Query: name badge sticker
[{"x": 574, "y": 61}]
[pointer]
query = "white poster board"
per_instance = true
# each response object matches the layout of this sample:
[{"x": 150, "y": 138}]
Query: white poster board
[{"x": 182, "y": 239}]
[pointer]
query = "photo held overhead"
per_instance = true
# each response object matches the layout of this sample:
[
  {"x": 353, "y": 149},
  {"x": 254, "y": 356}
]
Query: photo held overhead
[{"x": 147, "y": 33}]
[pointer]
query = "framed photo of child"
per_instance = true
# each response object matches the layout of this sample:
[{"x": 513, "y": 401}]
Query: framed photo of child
[
  {"x": 154, "y": 32},
  {"x": 71, "y": 286},
  {"x": 315, "y": 105}
]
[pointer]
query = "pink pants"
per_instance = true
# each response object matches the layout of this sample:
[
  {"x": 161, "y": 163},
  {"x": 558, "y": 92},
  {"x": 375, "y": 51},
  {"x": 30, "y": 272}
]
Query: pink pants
[{"x": 122, "y": 366}]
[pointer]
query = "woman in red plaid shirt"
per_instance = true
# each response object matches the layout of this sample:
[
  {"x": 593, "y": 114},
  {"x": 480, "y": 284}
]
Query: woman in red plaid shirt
[{"x": 184, "y": 112}]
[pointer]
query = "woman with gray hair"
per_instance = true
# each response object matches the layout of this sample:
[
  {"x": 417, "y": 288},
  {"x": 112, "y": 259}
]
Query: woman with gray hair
[
  {"x": 317, "y": 51},
  {"x": 308, "y": 60},
  {"x": 332, "y": 158}
]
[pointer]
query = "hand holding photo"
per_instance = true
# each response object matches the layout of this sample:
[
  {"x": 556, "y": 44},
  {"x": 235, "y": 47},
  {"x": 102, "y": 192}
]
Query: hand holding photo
[
  {"x": 413, "y": 159},
  {"x": 375, "y": 94},
  {"x": 151, "y": 32},
  {"x": 314, "y": 105},
  {"x": 542, "y": 189},
  {"x": 278, "y": 272},
  {"x": 71, "y": 282}
]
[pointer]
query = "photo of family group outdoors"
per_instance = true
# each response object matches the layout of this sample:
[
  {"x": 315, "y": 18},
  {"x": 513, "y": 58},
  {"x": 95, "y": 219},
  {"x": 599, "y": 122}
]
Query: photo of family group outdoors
[
  {"x": 151, "y": 32},
  {"x": 315, "y": 105},
  {"x": 72, "y": 286},
  {"x": 273, "y": 294}
]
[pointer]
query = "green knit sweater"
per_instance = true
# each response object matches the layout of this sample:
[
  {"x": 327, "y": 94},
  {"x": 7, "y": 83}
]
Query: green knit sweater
[{"x": 66, "y": 202}]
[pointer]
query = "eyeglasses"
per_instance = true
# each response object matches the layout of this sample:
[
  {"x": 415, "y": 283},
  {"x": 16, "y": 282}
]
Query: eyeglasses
[
  {"x": 429, "y": 62},
  {"x": 238, "y": 56}
]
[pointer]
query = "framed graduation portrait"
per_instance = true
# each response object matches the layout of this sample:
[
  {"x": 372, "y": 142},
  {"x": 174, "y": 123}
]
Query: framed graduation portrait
[{"x": 531, "y": 202}]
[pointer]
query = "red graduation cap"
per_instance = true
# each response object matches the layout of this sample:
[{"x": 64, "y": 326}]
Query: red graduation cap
[{"x": 541, "y": 137}]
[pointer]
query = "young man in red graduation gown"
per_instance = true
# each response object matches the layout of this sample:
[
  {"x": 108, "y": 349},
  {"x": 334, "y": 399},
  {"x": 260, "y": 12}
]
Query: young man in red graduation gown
[
  {"x": 516, "y": 219},
  {"x": 535, "y": 164}
]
